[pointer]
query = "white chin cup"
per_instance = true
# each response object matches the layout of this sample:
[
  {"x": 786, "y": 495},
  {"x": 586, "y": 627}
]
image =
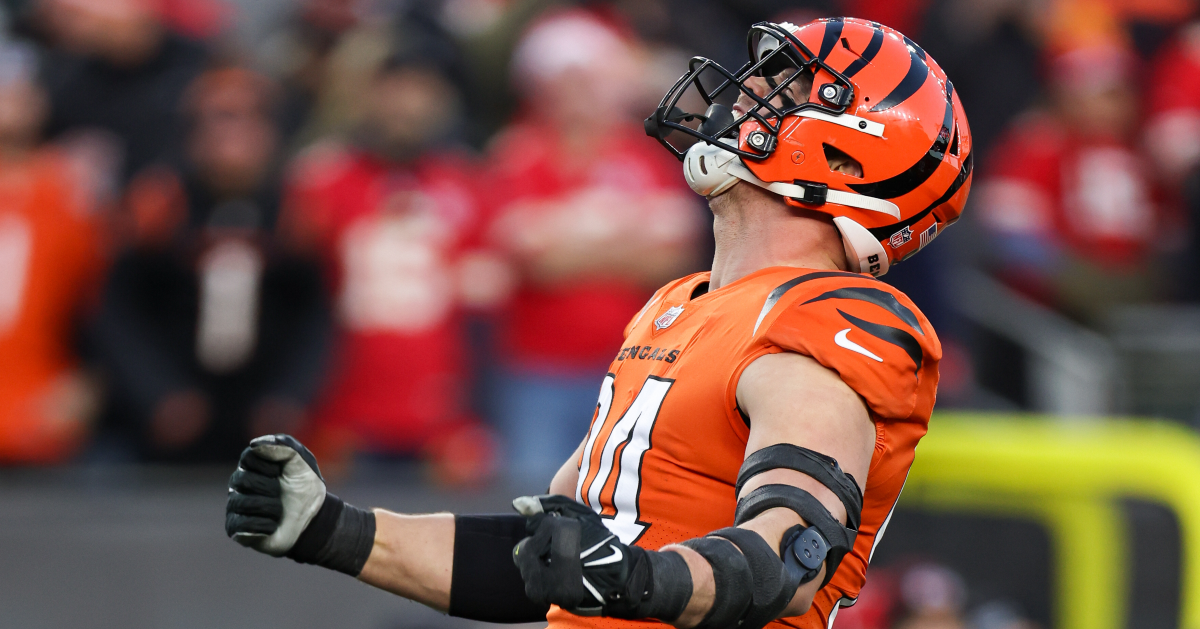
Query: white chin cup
[
  {"x": 706, "y": 169},
  {"x": 864, "y": 254}
]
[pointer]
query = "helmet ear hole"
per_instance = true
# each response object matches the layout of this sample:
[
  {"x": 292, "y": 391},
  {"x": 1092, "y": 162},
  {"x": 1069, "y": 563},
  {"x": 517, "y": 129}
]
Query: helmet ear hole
[{"x": 840, "y": 162}]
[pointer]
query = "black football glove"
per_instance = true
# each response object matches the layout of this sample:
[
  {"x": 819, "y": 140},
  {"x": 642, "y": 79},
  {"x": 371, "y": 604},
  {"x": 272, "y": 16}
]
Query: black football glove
[
  {"x": 572, "y": 560},
  {"x": 278, "y": 505}
]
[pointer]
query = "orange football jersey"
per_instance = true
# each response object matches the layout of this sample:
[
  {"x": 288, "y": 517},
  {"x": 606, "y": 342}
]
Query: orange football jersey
[{"x": 663, "y": 452}]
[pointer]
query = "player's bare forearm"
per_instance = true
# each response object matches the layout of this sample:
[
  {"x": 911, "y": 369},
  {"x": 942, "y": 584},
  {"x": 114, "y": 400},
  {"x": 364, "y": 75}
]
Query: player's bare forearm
[{"x": 413, "y": 557}]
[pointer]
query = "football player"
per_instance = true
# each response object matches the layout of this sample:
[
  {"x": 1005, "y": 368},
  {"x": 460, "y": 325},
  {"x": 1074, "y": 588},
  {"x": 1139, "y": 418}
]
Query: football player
[{"x": 757, "y": 426}]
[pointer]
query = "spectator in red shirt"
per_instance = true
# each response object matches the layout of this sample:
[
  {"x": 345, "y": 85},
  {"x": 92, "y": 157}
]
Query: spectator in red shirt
[
  {"x": 394, "y": 215},
  {"x": 594, "y": 217},
  {"x": 1172, "y": 130},
  {"x": 1066, "y": 200},
  {"x": 1172, "y": 140}
]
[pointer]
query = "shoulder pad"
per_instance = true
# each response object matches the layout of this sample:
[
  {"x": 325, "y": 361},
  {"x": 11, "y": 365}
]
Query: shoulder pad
[{"x": 870, "y": 333}]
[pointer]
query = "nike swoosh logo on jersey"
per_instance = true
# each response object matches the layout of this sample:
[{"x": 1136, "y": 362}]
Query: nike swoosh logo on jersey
[
  {"x": 603, "y": 561},
  {"x": 842, "y": 341}
]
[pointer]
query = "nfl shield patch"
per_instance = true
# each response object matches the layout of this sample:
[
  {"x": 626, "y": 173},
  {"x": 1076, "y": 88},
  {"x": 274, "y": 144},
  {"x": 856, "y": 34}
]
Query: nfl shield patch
[
  {"x": 668, "y": 317},
  {"x": 901, "y": 237}
]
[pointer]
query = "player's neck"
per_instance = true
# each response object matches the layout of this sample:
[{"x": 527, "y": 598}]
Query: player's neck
[{"x": 755, "y": 229}]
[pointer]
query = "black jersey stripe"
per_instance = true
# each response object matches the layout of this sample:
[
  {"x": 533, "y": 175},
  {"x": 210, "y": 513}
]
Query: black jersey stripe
[
  {"x": 833, "y": 32},
  {"x": 918, "y": 71},
  {"x": 880, "y": 298},
  {"x": 963, "y": 173},
  {"x": 872, "y": 49},
  {"x": 779, "y": 291},
  {"x": 917, "y": 174},
  {"x": 888, "y": 334}
]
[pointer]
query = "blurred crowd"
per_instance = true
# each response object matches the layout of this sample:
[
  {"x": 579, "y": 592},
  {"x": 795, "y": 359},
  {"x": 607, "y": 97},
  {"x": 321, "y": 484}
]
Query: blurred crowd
[{"x": 417, "y": 229}]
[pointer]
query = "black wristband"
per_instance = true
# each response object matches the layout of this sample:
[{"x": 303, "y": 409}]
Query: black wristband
[
  {"x": 672, "y": 586},
  {"x": 733, "y": 581},
  {"x": 340, "y": 537}
]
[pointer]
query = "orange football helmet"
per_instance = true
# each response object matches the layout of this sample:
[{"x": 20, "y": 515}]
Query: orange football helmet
[{"x": 869, "y": 93}]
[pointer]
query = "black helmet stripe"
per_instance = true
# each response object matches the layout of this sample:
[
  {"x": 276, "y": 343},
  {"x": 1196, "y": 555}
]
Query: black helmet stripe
[
  {"x": 872, "y": 49},
  {"x": 918, "y": 71},
  {"x": 833, "y": 32},
  {"x": 912, "y": 44},
  {"x": 963, "y": 173},
  {"x": 919, "y": 172}
]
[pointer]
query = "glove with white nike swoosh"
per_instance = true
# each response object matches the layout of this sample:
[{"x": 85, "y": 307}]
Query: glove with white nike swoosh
[
  {"x": 278, "y": 505},
  {"x": 572, "y": 560}
]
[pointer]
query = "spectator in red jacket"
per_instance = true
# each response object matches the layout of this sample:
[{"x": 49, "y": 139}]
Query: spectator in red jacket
[
  {"x": 1067, "y": 200},
  {"x": 594, "y": 216},
  {"x": 395, "y": 217}
]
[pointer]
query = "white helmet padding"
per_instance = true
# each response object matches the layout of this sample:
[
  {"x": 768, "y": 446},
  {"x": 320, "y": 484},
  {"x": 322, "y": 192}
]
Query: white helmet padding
[
  {"x": 711, "y": 171},
  {"x": 864, "y": 253}
]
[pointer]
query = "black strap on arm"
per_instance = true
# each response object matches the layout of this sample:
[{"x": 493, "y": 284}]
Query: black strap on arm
[
  {"x": 774, "y": 585},
  {"x": 840, "y": 539},
  {"x": 820, "y": 467},
  {"x": 732, "y": 579},
  {"x": 485, "y": 584}
]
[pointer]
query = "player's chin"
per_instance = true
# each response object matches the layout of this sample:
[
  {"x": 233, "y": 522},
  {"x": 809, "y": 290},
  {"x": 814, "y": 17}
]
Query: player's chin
[{"x": 728, "y": 198}]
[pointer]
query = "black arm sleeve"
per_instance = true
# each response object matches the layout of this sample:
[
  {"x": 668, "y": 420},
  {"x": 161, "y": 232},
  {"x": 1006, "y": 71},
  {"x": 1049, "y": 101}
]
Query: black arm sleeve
[{"x": 485, "y": 583}]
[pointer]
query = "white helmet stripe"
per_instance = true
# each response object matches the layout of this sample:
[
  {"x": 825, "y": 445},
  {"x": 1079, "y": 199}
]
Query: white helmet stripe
[{"x": 863, "y": 125}]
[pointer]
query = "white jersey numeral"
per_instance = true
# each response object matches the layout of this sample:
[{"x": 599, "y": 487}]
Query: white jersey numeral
[
  {"x": 633, "y": 429},
  {"x": 16, "y": 250}
]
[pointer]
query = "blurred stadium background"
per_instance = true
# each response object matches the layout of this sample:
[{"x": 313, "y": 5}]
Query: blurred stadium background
[{"x": 411, "y": 232}]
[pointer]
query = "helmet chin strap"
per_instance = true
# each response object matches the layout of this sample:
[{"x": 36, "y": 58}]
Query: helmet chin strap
[{"x": 711, "y": 171}]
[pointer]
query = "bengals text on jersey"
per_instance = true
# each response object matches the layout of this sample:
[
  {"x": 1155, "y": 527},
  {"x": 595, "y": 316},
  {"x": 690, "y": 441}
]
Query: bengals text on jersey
[{"x": 662, "y": 455}]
